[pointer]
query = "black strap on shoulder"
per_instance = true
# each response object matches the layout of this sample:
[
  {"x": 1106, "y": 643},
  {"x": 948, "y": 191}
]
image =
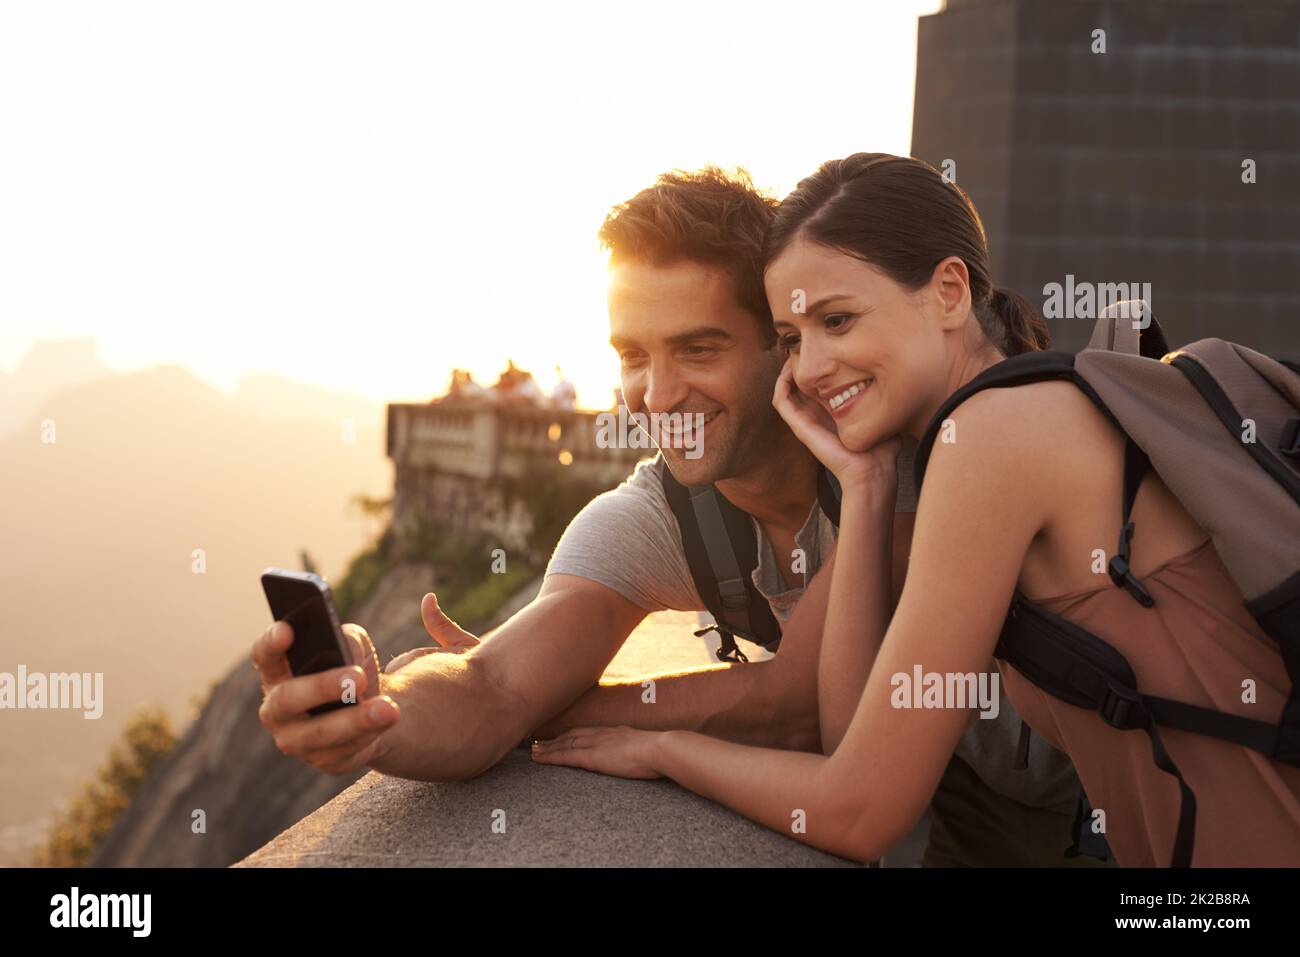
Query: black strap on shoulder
[
  {"x": 1041, "y": 367},
  {"x": 721, "y": 553},
  {"x": 1016, "y": 370},
  {"x": 828, "y": 495}
]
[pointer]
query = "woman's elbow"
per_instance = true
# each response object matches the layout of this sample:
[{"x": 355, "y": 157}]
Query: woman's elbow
[{"x": 864, "y": 826}]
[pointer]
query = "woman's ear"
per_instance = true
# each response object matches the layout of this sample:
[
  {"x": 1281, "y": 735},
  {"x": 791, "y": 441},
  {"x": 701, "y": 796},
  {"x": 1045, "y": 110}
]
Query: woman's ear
[{"x": 951, "y": 283}]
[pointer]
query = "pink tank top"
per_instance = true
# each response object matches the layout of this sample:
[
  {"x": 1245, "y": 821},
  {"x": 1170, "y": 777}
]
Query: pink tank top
[{"x": 1199, "y": 645}]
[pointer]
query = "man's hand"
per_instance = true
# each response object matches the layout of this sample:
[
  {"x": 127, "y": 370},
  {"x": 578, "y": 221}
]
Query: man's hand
[
  {"x": 450, "y": 637},
  {"x": 450, "y": 711},
  {"x": 339, "y": 741}
]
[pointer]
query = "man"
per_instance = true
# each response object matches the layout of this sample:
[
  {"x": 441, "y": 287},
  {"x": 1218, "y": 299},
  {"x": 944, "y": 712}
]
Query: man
[{"x": 691, "y": 325}]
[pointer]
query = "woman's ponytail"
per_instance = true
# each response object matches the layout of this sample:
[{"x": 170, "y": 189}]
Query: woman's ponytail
[{"x": 1013, "y": 324}]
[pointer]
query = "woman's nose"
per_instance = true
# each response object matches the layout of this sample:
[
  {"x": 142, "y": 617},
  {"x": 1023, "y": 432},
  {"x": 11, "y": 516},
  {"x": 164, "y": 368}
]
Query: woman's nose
[{"x": 814, "y": 365}]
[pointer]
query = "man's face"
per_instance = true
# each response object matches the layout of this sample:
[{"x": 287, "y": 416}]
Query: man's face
[{"x": 686, "y": 346}]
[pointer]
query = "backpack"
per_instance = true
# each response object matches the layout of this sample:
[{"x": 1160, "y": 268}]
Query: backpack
[
  {"x": 722, "y": 553},
  {"x": 1211, "y": 416}
]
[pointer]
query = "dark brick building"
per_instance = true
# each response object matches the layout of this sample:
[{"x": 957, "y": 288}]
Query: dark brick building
[{"x": 1126, "y": 166}]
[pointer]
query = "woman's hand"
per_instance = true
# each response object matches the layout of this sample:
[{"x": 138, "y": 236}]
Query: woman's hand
[
  {"x": 620, "y": 752},
  {"x": 876, "y": 468}
]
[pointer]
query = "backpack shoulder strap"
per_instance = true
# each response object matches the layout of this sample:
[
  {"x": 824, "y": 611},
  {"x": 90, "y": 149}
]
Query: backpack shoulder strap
[
  {"x": 1017, "y": 370},
  {"x": 721, "y": 553},
  {"x": 828, "y": 495}
]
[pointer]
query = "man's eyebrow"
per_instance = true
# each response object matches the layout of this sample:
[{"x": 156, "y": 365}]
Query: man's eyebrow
[
  {"x": 690, "y": 335},
  {"x": 700, "y": 332}
]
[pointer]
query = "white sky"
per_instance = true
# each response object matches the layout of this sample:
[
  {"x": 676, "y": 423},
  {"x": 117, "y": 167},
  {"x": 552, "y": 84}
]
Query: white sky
[{"x": 364, "y": 195}]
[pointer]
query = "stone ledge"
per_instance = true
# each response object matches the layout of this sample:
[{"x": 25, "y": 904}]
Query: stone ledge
[{"x": 554, "y": 817}]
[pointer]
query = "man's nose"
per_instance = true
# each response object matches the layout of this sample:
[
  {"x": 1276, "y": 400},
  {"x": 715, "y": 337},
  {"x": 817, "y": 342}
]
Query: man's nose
[{"x": 665, "y": 389}]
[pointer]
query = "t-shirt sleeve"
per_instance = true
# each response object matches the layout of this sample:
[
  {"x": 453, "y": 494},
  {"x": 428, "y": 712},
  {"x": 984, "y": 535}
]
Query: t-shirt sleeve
[{"x": 627, "y": 539}]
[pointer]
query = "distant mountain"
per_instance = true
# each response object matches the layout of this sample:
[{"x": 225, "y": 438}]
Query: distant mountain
[
  {"x": 48, "y": 369},
  {"x": 100, "y": 527},
  {"x": 276, "y": 397}
]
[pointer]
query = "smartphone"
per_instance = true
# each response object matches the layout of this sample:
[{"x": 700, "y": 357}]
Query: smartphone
[{"x": 304, "y": 601}]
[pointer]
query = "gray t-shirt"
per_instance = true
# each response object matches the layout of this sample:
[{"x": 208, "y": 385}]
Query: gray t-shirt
[{"x": 628, "y": 540}]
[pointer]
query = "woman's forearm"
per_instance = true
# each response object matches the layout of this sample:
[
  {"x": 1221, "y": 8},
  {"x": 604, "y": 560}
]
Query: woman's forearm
[
  {"x": 858, "y": 608},
  {"x": 787, "y": 791}
]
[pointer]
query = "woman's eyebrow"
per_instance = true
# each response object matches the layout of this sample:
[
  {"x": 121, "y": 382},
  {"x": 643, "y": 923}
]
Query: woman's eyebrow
[{"x": 824, "y": 301}]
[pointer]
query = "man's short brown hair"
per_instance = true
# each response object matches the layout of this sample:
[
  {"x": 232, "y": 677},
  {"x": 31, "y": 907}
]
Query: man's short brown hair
[{"x": 711, "y": 216}]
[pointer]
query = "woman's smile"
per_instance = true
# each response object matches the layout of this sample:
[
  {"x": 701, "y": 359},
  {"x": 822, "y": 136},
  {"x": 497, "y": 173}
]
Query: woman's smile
[{"x": 839, "y": 400}]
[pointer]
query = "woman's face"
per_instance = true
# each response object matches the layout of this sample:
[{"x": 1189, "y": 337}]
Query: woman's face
[{"x": 870, "y": 351}]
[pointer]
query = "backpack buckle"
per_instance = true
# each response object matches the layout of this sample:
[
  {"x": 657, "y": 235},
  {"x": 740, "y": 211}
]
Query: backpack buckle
[
  {"x": 733, "y": 595},
  {"x": 1121, "y": 572},
  {"x": 1122, "y": 708}
]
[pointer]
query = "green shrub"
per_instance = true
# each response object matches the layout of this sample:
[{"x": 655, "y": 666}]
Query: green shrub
[
  {"x": 80, "y": 828},
  {"x": 363, "y": 576},
  {"x": 476, "y": 605}
]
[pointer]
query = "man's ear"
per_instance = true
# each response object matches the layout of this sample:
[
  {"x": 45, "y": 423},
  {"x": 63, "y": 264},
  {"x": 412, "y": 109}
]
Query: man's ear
[{"x": 951, "y": 284}]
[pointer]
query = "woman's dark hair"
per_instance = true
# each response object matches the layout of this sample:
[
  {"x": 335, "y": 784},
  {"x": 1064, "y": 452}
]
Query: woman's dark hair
[{"x": 898, "y": 214}]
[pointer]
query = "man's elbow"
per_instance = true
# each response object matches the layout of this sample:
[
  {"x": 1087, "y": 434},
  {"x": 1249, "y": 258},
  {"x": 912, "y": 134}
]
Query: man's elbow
[
  {"x": 796, "y": 728},
  {"x": 490, "y": 724}
]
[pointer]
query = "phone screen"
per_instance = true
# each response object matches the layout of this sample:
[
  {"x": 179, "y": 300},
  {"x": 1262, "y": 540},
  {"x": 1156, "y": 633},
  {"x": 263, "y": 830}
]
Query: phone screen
[{"x": 305, "y": 603}]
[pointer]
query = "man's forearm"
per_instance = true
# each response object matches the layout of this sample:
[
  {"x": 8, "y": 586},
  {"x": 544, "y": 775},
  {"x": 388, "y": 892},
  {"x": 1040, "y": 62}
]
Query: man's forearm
[
  {"x": 739, "y": 702},
  {"x": 455, "y": 721}
]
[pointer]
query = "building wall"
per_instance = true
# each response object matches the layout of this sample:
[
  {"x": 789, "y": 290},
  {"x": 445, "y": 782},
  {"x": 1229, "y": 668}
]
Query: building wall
[
  {"x": 1127, "y": 166},
  {"x": 461, "y": 467}
]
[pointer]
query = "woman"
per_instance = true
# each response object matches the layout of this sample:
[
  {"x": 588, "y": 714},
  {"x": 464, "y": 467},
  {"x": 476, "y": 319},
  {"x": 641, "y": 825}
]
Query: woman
[{"x": 878, "y": 278}]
